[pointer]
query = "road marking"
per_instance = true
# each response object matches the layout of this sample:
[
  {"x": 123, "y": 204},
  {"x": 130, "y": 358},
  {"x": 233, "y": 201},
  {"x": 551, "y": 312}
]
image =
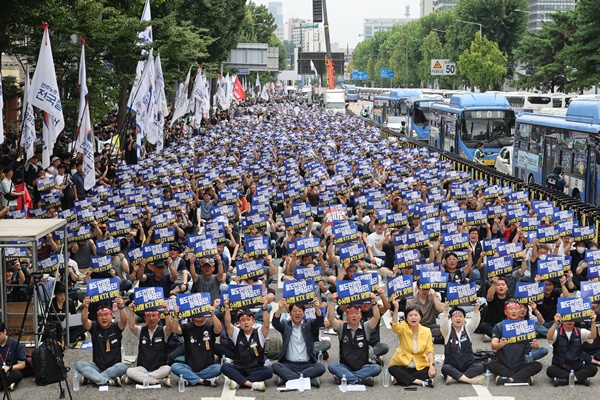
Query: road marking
[
  {"x": 227, "y": 394},
  {"x": 484, "y": 393}
]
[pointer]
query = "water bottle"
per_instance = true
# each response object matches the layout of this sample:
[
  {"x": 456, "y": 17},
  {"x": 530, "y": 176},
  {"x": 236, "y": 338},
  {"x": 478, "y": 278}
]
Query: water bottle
[
  {"x": 301, "y": 383},
  {"x": 76, "y": 381},
  {"x": 386, "y": 378},
  {"x": 529, "y": 357},
  {"x": 344, "y": 384},
  {"x": 146, "y": 380},
  {"x": 122, "y": 351},
  {"x": 223, "y": 359},
  {"x": 320, "y": 357},
  {"x": 181, "y": 384},
  {"x": 487, "y": 378},
  {"x": 572, "y": 379}
]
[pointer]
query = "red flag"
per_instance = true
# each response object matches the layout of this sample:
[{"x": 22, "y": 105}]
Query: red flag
[{"x": 238, "y": 90}]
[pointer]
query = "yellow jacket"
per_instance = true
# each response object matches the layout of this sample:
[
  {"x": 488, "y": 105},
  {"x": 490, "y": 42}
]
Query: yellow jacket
[{"x": 405, "y": 351}]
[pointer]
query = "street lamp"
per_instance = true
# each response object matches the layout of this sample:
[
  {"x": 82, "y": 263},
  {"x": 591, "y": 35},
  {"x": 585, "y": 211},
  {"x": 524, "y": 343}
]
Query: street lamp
[
  {"x": 438, "y": 30},
  {"x": 405, "y": 65},
  {"x": 473, "y": 23}
]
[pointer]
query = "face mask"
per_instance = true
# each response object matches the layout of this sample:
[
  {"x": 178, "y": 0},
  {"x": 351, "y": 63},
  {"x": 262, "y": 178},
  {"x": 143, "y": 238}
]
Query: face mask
[
  {"x": 580, "y": 249},
  {"x": 542, "y": 256}
]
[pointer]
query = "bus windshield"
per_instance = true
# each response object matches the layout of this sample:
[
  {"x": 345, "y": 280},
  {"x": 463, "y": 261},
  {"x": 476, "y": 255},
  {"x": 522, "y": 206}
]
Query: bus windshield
[
  {"x": 494, "y": 132},
  {"x": 420, "y": 115}
]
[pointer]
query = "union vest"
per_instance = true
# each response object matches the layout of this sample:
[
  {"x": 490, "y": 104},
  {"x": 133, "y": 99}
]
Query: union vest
[
  {"x": 249, "y": 353},
  {"x": 354, "y": 351},
  {"x": 568, "y": 352},
  {"x": 152, "y": 353},
  {"x": 459, "y": 351}
]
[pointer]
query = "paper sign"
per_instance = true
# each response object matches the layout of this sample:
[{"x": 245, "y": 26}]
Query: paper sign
[{"x": 103, "y": 290}]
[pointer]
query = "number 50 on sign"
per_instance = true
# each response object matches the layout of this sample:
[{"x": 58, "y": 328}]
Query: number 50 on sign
[{"x": 442, "y": 67}]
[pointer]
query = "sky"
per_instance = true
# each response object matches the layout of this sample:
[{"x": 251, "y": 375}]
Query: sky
[{"x": 346, "y": 16}]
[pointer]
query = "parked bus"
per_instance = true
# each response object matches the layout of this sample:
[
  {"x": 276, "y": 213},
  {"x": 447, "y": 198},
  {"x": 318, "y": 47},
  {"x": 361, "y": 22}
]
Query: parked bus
[
  {"x": 351, "y": 93},
  {"x": 395, "y": 104},
  {"x": 471, "y": 118},
  {"x": 528, "y": 102},
  {"x": 572, "y": 141},
  {"x": 418, "y": 116}
]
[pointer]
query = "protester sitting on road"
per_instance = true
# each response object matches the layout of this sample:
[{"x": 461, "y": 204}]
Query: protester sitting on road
[
  {"x": 459, "y": 362},
  {"x": 413, "y": 362},
  {"x": 106, "y": 367},
  {"x": 13, "y": 359},
  {"x": 297, "y": 354},
  {"x": 354, "y": 345},
  {"x": 568, "y": 354},
  {"x": 152, "y": 350},
  {"x": 427, "y": 301},
  {"x": 511, "y": 367}
]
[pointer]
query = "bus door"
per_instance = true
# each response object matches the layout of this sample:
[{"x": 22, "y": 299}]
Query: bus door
[
  {"x": 551, "y": 157},
  {"x": 591, "y": 196}
]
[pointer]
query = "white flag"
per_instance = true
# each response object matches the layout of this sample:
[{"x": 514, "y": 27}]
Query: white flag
[
  {"x": 160, "y": 103},
  {"x": 145, "y": 37},
  {"x": 83, "y": 91},
  {"x": 28, "y": 135},
  {"x": 44, "y": 93},
  {"x": 257, "y": 86},
  {"x": 312, "y": 67},
  {"x": 181, "y": 104},
  {"x": 1, "y": 107},
  {"x": 143, "y": 105},
  {"x": 265, "y": 92}
]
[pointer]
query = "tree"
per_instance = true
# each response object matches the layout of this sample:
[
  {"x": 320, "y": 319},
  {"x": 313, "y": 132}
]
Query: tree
[
  {"x": 430, "y": 49},
  {"x": 483, "y": 64},
  {"x": 581, "y": 56},
  {"x": 539, "y": 53}
]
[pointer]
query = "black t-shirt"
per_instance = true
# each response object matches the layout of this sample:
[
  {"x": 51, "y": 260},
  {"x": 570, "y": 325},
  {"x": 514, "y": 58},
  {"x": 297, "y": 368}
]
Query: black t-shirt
[
  {"x": 549, "y": 305},
  {"x": 495, "y": 310},
  {"x": 199, "y": 344},
  {"x": 513, "y": 354},
  {"x": 106, "y": 345}
]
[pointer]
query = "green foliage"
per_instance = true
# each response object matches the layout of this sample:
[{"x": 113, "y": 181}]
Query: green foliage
[
  {"x": 10, "y": 87},
  {"x": 430, "y": 49},
  {"x": 483, "y": 64}
]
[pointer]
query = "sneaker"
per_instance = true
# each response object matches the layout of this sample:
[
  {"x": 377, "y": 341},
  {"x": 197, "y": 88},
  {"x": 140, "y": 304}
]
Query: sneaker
[
  {"x": 260, "y": 386},
  {"x": 314, "y": 382},
  {"x": 530, "y": 381},
  {"x": 450, "y": 380},
  {"x": 166, "y": 382},
  {"x": 478, "y": 380},
  {"x": 325, "y": 355},
  {"x": 486, "y": 338},
  {"x": 212, "y": 382},
  {"x": 427, "y": 383},
  {"x": 280, "y": 382},
  {"x": 586, "y": 382},
  {"x": 12, "y": 386},
  {"x": 368, "y": 381},
  {"x": 233, "y": 385},
  {"x": 559, "y": 382},
  {"x": 379, "y": 361},
  {"x": 501, "y": 380},
  {"x": 125, "y": 380},
  {"x": 115, "y": 382},
  {"x": 337, "y": 380}
]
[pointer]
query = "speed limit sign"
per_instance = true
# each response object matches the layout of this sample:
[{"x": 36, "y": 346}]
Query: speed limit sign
[{"x": 442, "y": 67}]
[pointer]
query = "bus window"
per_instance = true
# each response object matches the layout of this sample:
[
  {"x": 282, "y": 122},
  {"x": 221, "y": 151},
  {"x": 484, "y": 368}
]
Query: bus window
[
  {"x": 495, "y": 131},
  {"x": 579, "y": 163},
  {"x": 566, "y": 162},
  {"x": 516, "y": 101}
]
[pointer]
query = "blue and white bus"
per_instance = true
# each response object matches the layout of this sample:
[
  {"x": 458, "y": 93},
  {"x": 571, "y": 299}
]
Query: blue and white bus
[
  {"x": 469, "y": 119},
  {"x": 351, "y": 93},
  {"x": 572, "y": 141},
  {"x": 418, "y": 116},
  {"x": 395, "y": 104}
]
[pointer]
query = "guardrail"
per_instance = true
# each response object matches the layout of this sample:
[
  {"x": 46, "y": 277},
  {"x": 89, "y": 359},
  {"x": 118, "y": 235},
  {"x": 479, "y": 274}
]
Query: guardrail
[{"x": 585, "y": 213}]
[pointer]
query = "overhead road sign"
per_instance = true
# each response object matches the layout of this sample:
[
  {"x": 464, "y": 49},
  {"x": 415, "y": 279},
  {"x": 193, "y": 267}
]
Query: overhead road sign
[{"x": 386, "y": 73}]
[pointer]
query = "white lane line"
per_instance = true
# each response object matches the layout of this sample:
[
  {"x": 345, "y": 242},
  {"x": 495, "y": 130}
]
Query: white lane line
[{"x": 483, "y": 393}]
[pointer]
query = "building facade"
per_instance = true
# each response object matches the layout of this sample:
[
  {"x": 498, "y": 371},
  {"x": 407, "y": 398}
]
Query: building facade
[
  {"x": 276, "y": 8},
  {"x": 373, "y": 25}
]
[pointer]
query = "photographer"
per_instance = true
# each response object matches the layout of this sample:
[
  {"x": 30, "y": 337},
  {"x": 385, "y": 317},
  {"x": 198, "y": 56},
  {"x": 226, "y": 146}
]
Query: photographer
[{"x": 557, "y": 179}]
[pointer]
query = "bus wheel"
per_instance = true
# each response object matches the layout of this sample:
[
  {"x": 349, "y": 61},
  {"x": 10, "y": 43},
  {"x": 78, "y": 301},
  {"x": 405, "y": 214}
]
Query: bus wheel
[
  {"x": 530, "y": 180},
  {"x": 575, "y": 193}
]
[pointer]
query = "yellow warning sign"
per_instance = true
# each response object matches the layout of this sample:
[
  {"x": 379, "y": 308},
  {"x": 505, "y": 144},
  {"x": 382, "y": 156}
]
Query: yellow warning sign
[{"x": 437, "y": 65}]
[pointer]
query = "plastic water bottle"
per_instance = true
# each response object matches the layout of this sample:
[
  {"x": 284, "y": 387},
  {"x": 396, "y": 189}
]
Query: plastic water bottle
[
  {"x": 386, "y": 378},
  {"x": 223, "y": 359},
  {"x": 572, "y": 379},
  {"x": 76, "y": 381},
  {"x": 487, "y": 378},
  {"x": 122, "y": 351},
  {"x": 344, "y": 384},
  {"x": 146, "y": 380},
  {"x": 320, "y": 357},
  {"x": 181, "y": 384},
  {"x": 529, "y": 357},
  {"x": 301, "y": 383}
]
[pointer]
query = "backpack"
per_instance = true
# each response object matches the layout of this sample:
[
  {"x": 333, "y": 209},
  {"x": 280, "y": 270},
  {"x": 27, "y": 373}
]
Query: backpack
[
  {"x": 48, "y": 364},
  {"x": 552, "y": 181}
]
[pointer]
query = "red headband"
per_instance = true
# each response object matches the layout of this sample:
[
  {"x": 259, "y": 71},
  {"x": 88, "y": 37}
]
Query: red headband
[{"x": 104, "y": 309}]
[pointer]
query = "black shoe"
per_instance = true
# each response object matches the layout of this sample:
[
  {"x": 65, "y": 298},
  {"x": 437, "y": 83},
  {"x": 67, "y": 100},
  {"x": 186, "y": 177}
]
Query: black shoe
[
  {"x": 325, "y": 355},
  {"x": 337, "y": 380},
  {"x": 368, "y": 381},
  {"x": 280, "y": 382},
  {"x": 427, "y": 383},
  {"x": 586, "y": 382},
  {"x": 379, "y": 361},
  {"x": 85, "y": 381},
  {"x": 314, "y": 382},
  {"x": 501, "y": 381},
  {"x": 559, "y": 382}
]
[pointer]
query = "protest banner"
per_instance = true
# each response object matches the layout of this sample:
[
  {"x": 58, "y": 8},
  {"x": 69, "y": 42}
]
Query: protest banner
[
  {"x": 574, "y": 309},
  {"x": 496, "y": 266},
  {"x": 257, "y": 246},
  {"x": 308, "y": 246},
  {"x": 118, "y": 227},
  {"x": 490, "y": 245},
  {"x": 351, "y": 252},
  {"x": 194, "y": 305},
  {"x": 108, "y": 246},
  {"x": 205, "y": 248},
  {"x": 436, "y": 280},
  {"x": 100, "y": 264},
  {"x": 406, "y": 258},
  {"x": 155, "y": 252},
  {"x": 311, "y": 273},
  {"x": 422, "y": 266},
  {"x": 250, "y": 269},
  {"x": 356, "y": 291},
  {"x": 518, "y": 331},
  {"x": 242, "y": 296},
  {"x": 164, "y": 235},
  {"x": 148, "y": 299},
  {"x": 461, "y": 295},
  {"x": 548, "y": 269},
  {"x": 400, "y": 287},
  {"x": 50, "y": 264},
  {"x": 455, "y": 241},
  {"x": 299, "y": 291},
  {"x": 254, "y": 221},
  {"x": 530, "y": 292},
  {"x": 513, "y": 250},
  {"x": 103, "y": 290},
  {"x": 344, "y": 232},
  {"x": 591, "y": 290}
]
